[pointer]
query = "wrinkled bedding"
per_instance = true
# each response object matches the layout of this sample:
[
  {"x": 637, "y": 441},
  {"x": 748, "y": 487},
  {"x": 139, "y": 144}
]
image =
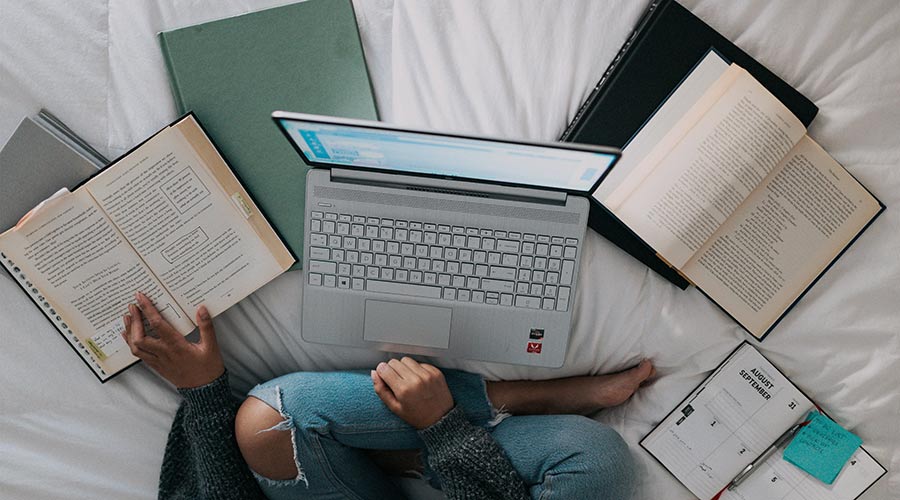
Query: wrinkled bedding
[{"x": 508, "y": 68}]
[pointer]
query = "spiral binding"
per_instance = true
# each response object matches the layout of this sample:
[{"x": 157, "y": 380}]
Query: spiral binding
[{"x": 51, "y": 313}]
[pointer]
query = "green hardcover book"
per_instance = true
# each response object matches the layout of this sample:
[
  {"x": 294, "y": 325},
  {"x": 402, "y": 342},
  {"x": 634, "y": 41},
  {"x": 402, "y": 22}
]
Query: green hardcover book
[{"x": 305, "y": 57}]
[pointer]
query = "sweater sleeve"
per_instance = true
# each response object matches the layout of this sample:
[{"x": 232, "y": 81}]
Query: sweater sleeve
[
  {"x": 202, "y": 459},
  {"x": 470, "y": 463}
]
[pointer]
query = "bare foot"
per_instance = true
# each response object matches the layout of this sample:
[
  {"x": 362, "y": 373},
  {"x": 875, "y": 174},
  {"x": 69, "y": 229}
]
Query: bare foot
[
  {"x": 581, "y": 395},
  {"x": 615, "y": 389}
]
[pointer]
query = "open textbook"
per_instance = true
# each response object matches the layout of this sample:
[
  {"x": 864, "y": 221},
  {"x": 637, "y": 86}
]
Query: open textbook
[
  {"x": 726, "y": 186},
  {"x": 743, "y": 407},
  {"x": 168, "y": 219}
]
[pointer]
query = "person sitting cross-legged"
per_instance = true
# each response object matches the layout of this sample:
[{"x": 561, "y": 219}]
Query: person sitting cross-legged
[{"x": 335, "y": 435}]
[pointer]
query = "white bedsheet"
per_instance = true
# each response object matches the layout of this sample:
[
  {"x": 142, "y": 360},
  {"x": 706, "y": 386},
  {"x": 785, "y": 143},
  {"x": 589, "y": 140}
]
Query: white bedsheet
[{"x": 518, "y": 69}]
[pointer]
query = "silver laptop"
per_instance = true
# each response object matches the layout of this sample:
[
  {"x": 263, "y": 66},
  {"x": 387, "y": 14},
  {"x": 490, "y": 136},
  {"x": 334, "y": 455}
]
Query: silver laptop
[{"x": 441, "y": 245}]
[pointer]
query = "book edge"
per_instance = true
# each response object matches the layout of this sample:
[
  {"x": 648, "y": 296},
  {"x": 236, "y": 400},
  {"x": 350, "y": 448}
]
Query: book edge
[
  {"x": 173, "y": 77},
  {"x": 826, "y": 269},
  {"x": 85, "y": 353},
  {"x": 651, "y": 13}
]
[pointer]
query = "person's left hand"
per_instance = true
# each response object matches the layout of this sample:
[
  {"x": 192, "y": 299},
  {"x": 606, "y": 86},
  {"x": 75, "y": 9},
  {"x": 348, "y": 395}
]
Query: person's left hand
[
  {"x": 415, "y": 392},
  {"x": 179, "y": 361}
]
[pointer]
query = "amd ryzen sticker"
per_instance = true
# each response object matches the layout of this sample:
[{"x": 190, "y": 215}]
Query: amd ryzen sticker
[{"x": 536, "y": 334}]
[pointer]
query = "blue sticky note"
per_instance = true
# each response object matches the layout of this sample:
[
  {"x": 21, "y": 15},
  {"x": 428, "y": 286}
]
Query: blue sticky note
[{"x": 822, "y": 447}]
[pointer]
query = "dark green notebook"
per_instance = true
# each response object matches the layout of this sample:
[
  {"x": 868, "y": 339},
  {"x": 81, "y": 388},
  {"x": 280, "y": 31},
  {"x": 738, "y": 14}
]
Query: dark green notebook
[{"x": 305, "y": 57}]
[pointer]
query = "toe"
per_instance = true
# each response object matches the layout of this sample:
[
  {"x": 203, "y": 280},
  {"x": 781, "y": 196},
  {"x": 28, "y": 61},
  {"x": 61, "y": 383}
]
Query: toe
[{"x": 644, "y": 370}]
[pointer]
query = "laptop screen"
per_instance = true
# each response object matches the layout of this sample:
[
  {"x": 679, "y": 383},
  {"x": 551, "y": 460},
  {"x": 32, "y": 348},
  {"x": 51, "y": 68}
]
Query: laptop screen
[{"x": 350, "y": 145}]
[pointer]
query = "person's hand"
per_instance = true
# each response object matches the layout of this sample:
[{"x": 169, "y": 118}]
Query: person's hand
[
  {"x": 177, "y": 360},
  {"x": 415, "y": 392}
]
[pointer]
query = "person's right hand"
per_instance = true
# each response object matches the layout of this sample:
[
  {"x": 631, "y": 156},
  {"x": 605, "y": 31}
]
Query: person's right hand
[
  {"x": 177, "y": 360},
  {"x": 415, "y": 392}
]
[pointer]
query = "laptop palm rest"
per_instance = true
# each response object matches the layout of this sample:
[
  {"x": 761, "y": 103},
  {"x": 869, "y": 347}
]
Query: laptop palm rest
[{"x": 407, "y": 324}]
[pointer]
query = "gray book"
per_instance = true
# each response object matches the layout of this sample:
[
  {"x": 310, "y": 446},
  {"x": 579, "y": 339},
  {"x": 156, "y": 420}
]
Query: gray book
[{"x": 41, "y": 157}]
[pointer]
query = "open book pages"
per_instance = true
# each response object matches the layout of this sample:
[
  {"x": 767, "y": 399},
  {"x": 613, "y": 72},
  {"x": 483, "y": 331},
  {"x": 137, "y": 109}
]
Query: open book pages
[
  {"x": 727, "y": 187},
  {"x": 168, "y": 219},
  {"x": 730, "y": 420},
  {"x": 703, "y": 76},
  {"x": 706, "y": 166},
  {"x": 782, "y": 237}
]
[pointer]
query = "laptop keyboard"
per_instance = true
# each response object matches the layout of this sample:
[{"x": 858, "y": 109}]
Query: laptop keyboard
[{"x": 453, "y": 263}]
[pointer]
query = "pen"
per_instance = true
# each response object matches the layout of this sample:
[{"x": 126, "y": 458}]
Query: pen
[{"x": 744, "y": 474}]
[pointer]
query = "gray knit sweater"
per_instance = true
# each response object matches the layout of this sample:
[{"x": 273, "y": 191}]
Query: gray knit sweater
[{"x": 202, "y": 459}]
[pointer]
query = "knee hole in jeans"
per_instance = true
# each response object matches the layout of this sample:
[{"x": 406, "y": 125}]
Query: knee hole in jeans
[{"x": 265, "y": 443}]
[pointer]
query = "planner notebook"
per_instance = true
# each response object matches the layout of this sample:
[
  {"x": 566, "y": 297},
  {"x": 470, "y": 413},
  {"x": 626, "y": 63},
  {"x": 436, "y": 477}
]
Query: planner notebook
[
  {"x": 234, "y": 72},
  {"x": 730, "y": 419},
  {"x": 665, "y": 45},
  {"x": 168, "y": 219},
  {"x": 40, "y": 157},
  {"x": 725, "y": 185}
]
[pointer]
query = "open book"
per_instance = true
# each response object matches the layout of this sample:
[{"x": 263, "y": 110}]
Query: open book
[
  {"x": 743, "y": 407},
  {"x": 726, "y": 186},
  {"x": 168, "y": 219}
]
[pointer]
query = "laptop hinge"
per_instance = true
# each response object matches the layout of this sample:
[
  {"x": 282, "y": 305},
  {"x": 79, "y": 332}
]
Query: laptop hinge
[{"x": 435, "y": 184}]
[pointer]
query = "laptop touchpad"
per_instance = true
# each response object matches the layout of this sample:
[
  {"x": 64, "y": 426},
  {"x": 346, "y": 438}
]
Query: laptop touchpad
[{"x": 408, "y": 324}]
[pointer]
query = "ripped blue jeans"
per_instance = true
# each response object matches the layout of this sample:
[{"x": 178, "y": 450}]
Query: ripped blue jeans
[{"x": 334, "y": 416}]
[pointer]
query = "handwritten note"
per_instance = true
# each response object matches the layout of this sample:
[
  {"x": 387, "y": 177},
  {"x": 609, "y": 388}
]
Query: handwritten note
[
  {"x": 822, "y": 448},
  {"x": 109, "y": 341}
]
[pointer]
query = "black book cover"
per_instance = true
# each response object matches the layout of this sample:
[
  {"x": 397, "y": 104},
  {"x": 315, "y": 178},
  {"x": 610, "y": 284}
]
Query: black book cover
[{"x": 663, "y": 48}]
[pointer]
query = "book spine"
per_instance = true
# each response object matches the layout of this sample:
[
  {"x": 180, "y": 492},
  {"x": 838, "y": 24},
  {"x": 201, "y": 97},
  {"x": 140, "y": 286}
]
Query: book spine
[
  {"x": 54, "y": 317},
  {"x": 56, "y": 127},
  {"x": 611, "y": 69},
  {"x": 173, "y": 79}
]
